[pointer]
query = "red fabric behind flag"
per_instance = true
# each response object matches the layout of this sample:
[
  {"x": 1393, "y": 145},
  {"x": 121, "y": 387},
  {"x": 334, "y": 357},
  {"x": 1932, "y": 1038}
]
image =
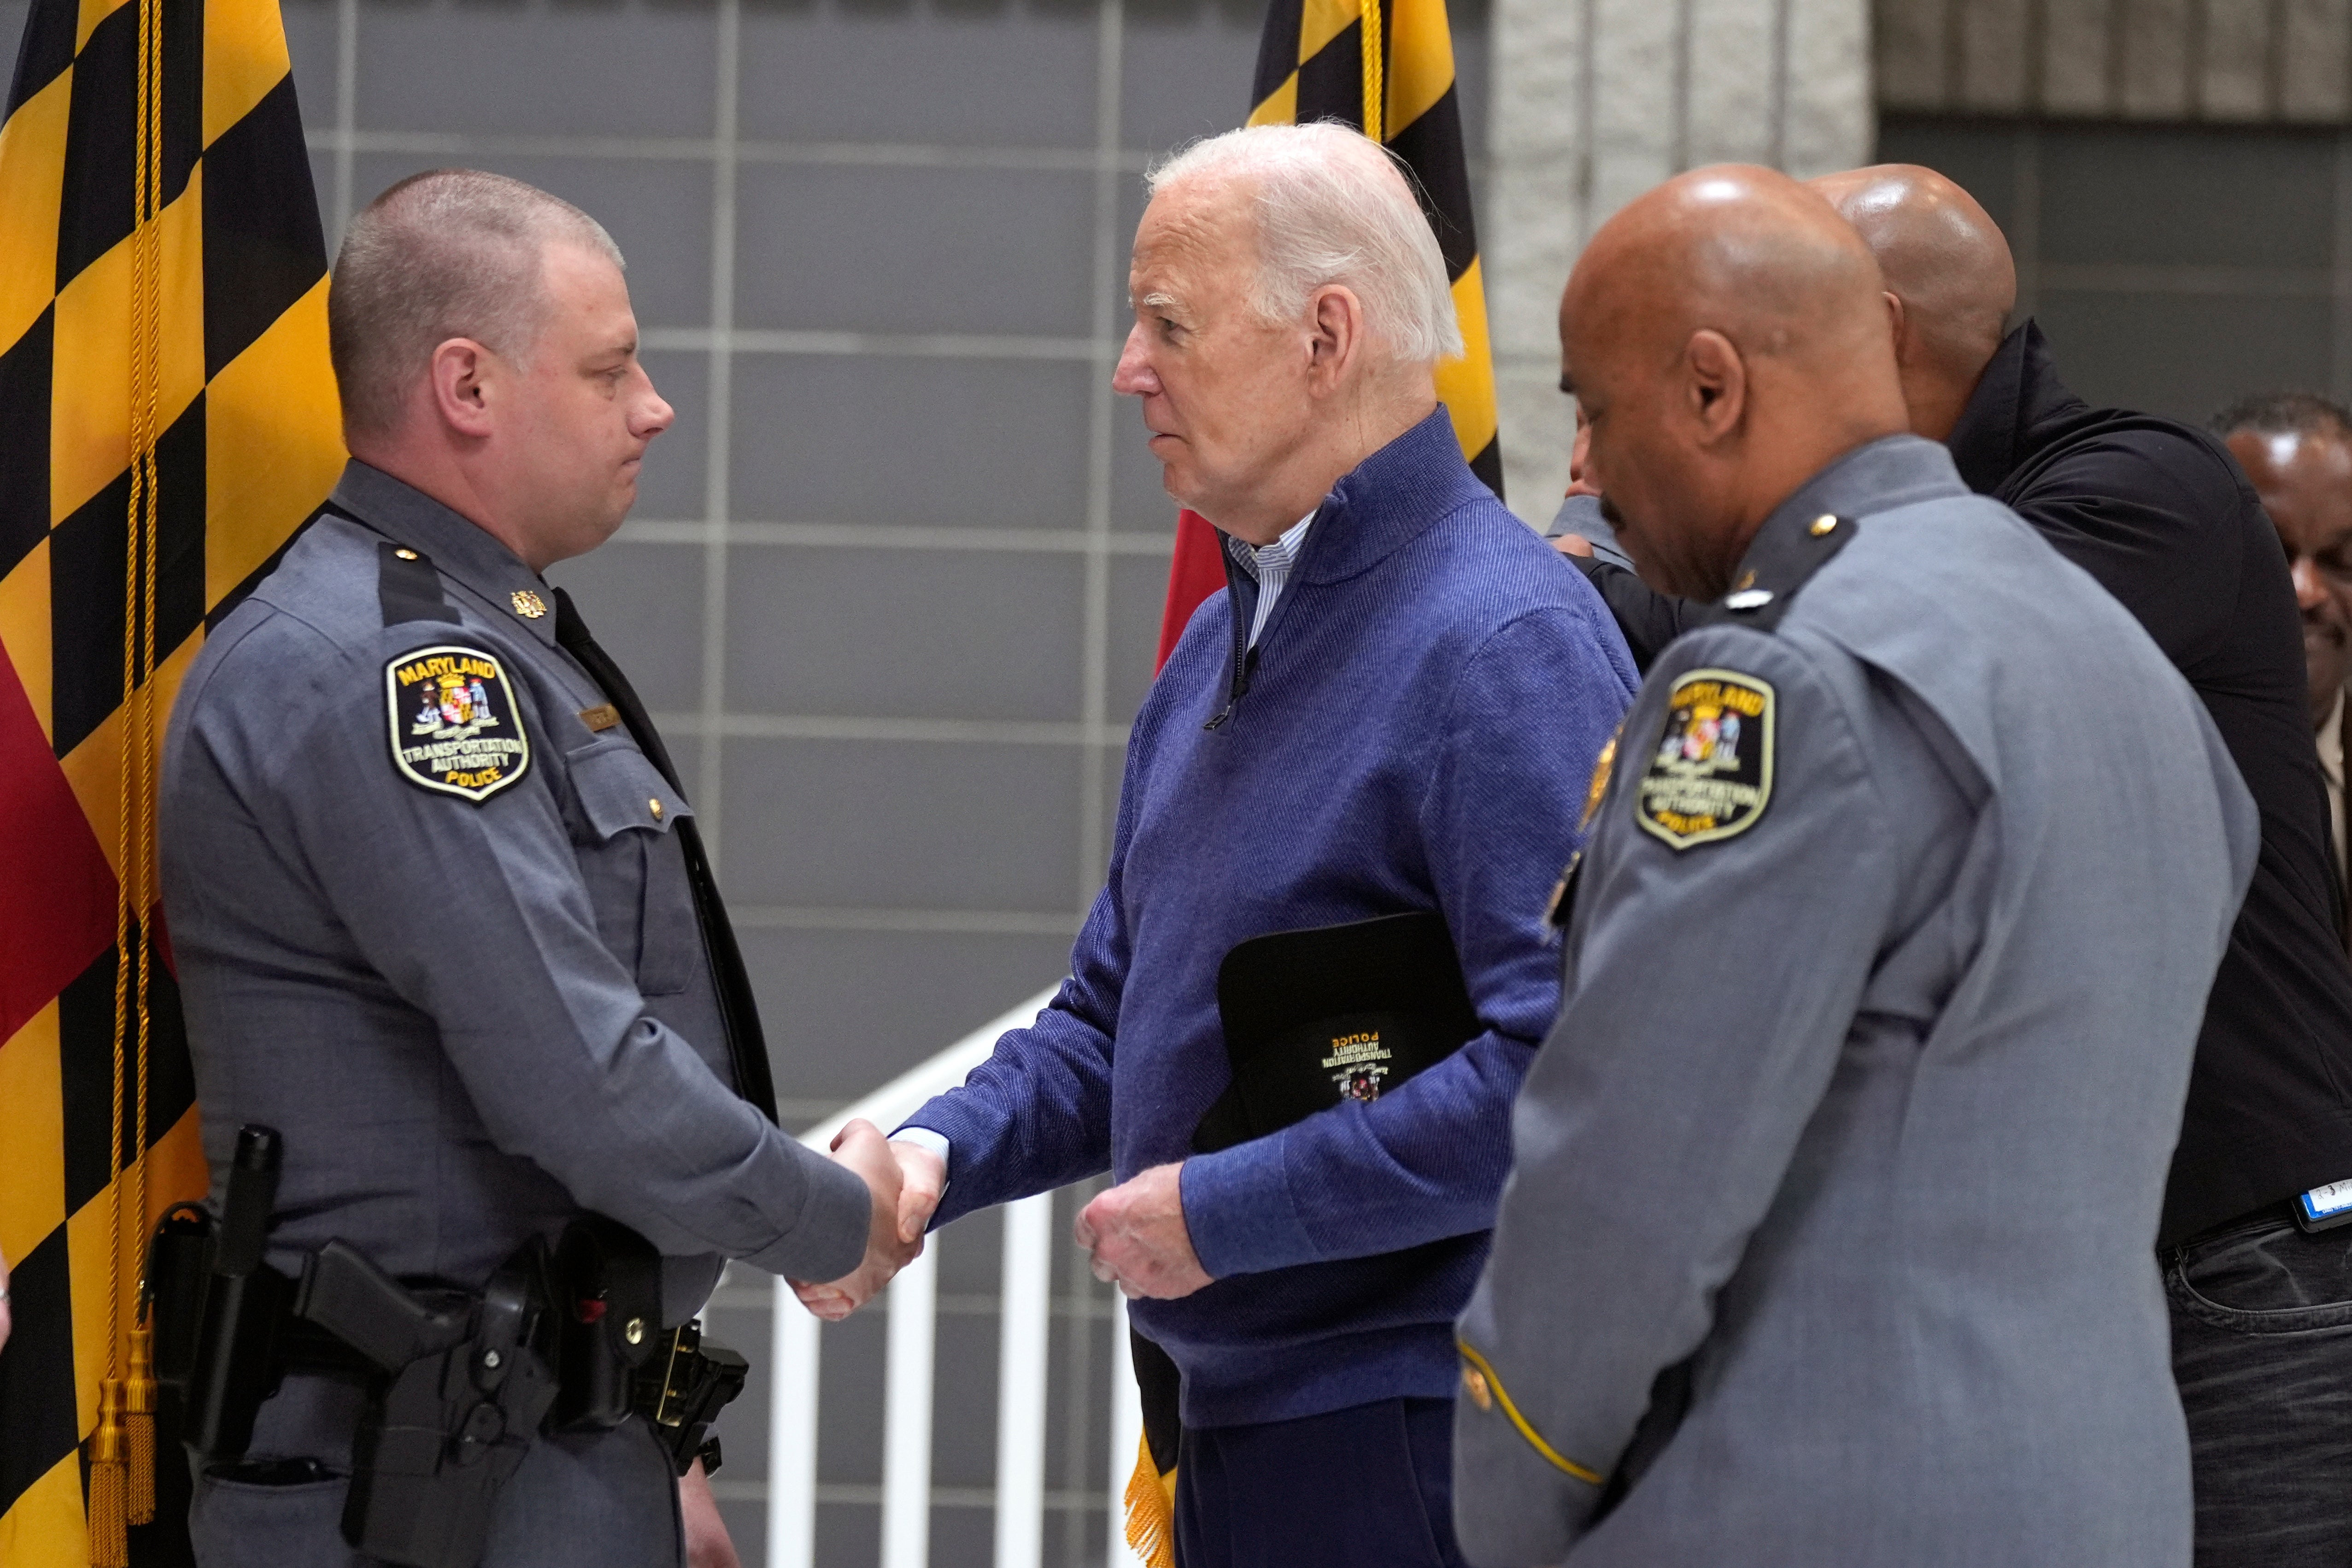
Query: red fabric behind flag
[
  {"x": 1197, "y": 572},
  {"x": 56, "y": 891}
]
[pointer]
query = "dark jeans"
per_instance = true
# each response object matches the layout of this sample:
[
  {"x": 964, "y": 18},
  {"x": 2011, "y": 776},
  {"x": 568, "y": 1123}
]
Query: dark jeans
[
  {"x": 1367, "y": 1487},
  {"x": 2262, "y": 1345}
]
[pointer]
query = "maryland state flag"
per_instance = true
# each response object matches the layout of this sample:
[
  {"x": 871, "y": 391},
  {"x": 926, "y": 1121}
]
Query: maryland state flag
[
  {"x": 1385, "y": 66},
  {"x": 167, "y": 421}
]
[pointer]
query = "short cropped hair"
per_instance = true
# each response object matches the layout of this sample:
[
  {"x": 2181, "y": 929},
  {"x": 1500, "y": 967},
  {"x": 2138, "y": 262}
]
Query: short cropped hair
[
  {"x": 2283, "y": 414},
  {"x": 454, "y": 253},
  {"x": 1333, "y": 207}
]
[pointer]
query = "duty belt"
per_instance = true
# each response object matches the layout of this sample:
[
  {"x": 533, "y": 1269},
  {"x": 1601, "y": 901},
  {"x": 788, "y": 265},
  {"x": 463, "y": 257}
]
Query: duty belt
[{"x": 459, "y": 1384}]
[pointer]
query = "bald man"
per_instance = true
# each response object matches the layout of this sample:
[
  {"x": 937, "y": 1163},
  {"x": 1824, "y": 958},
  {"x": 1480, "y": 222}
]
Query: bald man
[
  {"x": 2159, "y": 514},
  {"x": 1825, "y": 1244}
]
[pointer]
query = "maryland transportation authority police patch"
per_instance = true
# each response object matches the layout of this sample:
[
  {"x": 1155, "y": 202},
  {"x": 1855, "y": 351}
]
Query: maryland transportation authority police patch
[
  {"x": 1711, "y": 773},
  {"x": 455, "y": 726}
]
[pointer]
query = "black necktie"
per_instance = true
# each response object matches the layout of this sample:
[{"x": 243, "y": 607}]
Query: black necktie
[{"x": 739, "y": 1011}]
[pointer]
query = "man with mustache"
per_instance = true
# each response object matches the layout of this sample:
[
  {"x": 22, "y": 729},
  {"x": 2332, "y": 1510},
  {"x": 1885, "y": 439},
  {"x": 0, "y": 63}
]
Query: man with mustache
[{"x": 2297, "y": 449}]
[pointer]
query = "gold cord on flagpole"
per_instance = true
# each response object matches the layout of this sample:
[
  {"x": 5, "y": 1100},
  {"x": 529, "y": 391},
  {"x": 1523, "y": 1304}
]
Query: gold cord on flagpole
[
  {"x": 122, "y": 1489},
  {"x": 139, "y": 1394},
  {"x": 1374, "y": 92}
]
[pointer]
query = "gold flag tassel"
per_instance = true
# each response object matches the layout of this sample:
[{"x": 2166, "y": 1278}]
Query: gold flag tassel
[
  {"x": 109, "y": 1538},
  {"x": 122, "y": 1450},
  {"x": 1152, "y": 1511},
  {"x": 138, "y": 1426}
]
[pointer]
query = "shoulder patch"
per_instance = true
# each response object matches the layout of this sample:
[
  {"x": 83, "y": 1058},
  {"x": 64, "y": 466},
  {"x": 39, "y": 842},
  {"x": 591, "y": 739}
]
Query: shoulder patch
[
  {"x": 455, "y": 728},
  {"x": 1711, "y": 774}
]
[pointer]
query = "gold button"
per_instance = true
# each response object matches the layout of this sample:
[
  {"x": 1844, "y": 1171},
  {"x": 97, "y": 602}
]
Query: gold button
[
  {"x": 653, "y": 806},
  {"x": 405, "y": 555},
  {"x": 1823, "y": 524},
  {"x": 636, "y": 1332},
  {"x": 1474, "y": 1384}
]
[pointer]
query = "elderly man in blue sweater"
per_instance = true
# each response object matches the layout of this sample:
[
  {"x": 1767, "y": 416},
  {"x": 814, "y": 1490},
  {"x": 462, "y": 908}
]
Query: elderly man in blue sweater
[{"x": 1396, "y": 706}]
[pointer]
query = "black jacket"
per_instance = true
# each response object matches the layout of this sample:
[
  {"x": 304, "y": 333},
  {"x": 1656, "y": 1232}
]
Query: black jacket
[{"x": 2161, "y": 514}]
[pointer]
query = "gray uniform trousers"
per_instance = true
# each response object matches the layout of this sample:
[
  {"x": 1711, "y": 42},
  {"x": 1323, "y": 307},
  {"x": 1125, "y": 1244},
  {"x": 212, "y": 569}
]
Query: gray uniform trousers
[
  {"x": 604, "y": 1500},
  {"x": 1827, "y": 1243}
]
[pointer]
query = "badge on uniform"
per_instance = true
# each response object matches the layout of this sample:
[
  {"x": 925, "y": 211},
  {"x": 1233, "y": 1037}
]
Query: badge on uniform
[
  {"x": 1711, "y": 774},
  {"x": 455, "y": 725}
]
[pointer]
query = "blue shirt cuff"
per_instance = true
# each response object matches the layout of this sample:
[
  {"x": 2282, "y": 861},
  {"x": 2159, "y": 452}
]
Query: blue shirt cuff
[{"x": 1240, "y": 1213}]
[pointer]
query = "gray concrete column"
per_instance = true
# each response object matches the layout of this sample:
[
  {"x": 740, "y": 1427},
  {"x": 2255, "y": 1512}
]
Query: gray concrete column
[{"x": 1594, "y": 101}]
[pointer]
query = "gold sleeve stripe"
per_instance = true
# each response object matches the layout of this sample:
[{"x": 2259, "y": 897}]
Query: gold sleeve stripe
[{"x": 1534, "y": 1437}]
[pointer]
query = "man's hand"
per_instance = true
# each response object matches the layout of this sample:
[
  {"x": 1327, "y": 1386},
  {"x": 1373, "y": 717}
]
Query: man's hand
[
  {"x": 707, "y": 1544},
  {"x": 861, "y": 1147},
  {"x": 1572, "y": 544},
  {"x": 923, "y": 1176},
  {"x": 1136, "y": 1235}
]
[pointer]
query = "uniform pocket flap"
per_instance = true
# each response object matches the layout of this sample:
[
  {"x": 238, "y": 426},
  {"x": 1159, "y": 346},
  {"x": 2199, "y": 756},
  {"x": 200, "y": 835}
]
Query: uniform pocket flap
[{"x": 620, "y": 789}]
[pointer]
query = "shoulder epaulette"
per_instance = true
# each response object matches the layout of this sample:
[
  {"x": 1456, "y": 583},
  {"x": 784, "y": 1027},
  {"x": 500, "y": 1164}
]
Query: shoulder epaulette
[
  {"x": 408, "y": 588},
  {"x": 1779, "y": 562}
]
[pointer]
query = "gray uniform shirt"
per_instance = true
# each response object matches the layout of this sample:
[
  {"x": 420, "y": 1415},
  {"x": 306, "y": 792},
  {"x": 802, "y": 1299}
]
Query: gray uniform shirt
[
  {"x": 1874, "y": 1036},
  {"x": 446, "y": 947}
]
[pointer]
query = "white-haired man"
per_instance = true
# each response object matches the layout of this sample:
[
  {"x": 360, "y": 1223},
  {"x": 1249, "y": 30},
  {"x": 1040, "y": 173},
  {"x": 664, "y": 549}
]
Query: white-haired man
[{"x": 1393, "y": 712}]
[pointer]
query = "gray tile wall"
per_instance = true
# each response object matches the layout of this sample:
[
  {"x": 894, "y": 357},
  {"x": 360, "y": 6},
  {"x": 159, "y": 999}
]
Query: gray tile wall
[
  {"x": 2227, "y": 61},
  {"x": 894, "y": 581},
  {"x": 1597, "y": 100},
  {"x": 2176, "y": 268}
]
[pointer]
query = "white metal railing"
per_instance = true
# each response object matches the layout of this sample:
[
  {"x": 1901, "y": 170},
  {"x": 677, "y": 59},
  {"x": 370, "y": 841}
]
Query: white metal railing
[{"x": 1026, "y": 1315}]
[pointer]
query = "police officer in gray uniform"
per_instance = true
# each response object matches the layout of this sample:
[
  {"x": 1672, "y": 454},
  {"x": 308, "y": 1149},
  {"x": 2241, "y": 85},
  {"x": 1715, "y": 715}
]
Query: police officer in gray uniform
[
  {"x": 440, "y": 912},
  {"x": 1827, "y": 1242}
]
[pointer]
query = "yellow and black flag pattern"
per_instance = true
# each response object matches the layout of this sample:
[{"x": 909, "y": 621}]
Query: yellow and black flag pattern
[
  {"x": 168, "y": 421},
  {"x": 1386, "y": 67}
]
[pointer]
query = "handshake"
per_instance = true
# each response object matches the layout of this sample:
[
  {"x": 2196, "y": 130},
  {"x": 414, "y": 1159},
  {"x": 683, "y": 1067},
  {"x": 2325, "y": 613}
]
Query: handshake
[
  {"x": 1135, "y": 1233},
  {"x": 905, "y": 1183}
]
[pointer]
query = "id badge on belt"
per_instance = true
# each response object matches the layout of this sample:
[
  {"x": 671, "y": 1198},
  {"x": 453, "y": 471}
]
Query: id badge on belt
[{"x": 2325, "y": 1208}]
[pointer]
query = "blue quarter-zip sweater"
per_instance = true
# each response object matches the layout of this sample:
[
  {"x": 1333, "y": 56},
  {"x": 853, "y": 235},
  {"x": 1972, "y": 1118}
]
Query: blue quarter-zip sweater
[{"x": 1415, "y": 731}]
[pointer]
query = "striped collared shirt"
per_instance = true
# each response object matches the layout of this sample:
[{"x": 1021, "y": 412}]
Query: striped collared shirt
[{"x": 1269, "y": 565}]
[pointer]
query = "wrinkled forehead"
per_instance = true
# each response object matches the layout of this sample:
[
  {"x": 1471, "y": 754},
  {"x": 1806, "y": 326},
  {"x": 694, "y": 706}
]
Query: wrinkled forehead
[{"x": 1196, "y": 235}]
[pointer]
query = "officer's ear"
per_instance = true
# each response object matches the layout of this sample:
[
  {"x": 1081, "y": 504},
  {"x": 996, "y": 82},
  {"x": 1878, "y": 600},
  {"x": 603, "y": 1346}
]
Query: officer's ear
[
  {"x": 1714, "y": 385},
  {"x": 458, "y": 376}
]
